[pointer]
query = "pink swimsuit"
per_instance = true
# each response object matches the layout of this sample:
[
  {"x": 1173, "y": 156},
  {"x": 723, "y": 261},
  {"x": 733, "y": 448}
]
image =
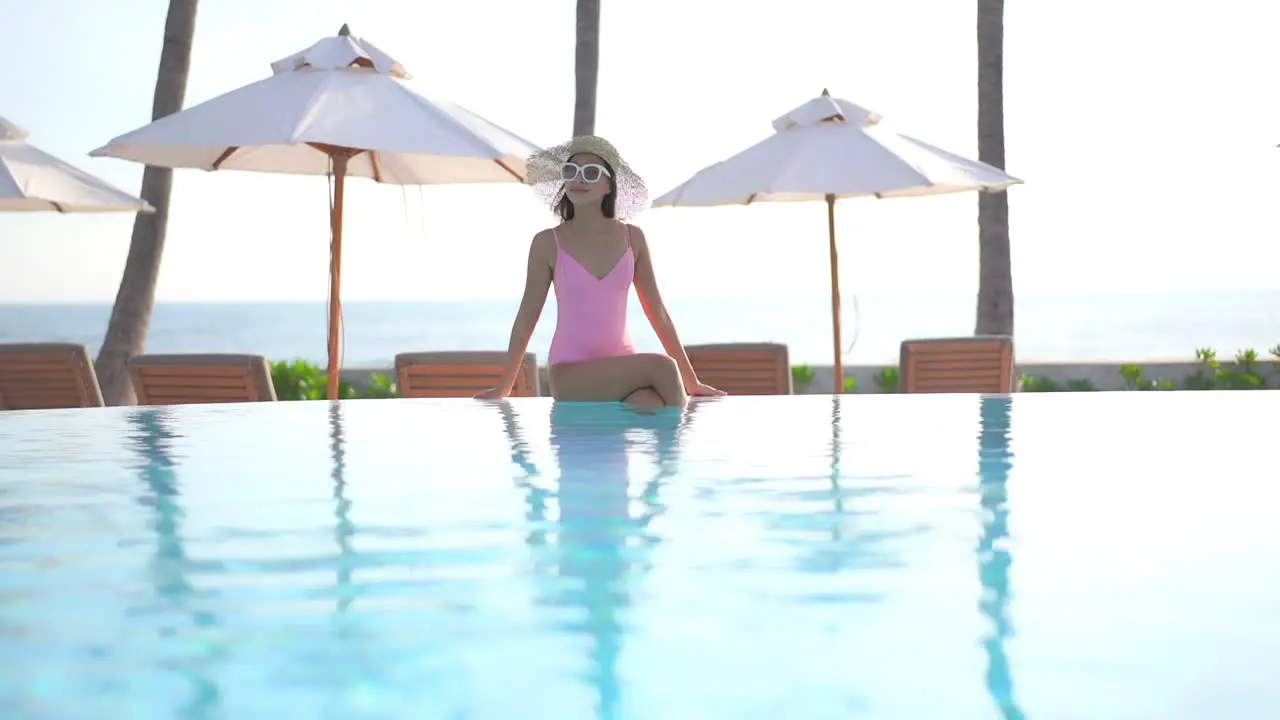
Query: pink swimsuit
[{"x": 591, "y": 312}]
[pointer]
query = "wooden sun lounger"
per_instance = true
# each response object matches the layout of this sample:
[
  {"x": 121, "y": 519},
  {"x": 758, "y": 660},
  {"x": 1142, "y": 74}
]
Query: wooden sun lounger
[
  {"x": 462, "y": 373},
  {"x": 743, "y": 368},
  {"x": 36, "y": 376},
  {"x": 189, "y": 379},
  {"x": 957, "y": 365}
]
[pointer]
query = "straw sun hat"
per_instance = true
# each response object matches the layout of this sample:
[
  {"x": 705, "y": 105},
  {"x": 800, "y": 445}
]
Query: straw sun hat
[{"x": 546, "y": 178}]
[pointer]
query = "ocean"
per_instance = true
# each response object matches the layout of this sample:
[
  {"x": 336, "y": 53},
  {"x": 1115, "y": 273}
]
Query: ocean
[{"x": 1052, "y": 328}]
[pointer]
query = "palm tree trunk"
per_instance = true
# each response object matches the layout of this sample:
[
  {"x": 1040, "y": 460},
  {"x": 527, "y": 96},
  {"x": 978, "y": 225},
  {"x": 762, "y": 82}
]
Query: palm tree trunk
[
  {"x": 586, "y": 68},
  {"x": 131, "y": 315},
  {"x": 995, "y": 271}
]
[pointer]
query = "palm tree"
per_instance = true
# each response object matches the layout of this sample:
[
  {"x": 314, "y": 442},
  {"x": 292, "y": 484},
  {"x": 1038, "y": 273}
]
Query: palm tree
[
  {"x": 586, "y": 68},
  {"x": 995, "y": 273},
  {"x": 131, "y": 315}
]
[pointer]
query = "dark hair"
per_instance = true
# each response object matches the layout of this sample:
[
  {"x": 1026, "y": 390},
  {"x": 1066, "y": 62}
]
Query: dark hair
[{"x": 564, "y": 208}]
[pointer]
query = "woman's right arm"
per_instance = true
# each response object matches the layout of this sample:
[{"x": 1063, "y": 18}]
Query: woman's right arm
[{"x": 537, "y": 283}]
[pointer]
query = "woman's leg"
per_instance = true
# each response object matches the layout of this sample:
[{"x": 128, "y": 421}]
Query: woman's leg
[
  {"x": 613, "y": 379},
  {"x": 646, "y": 398}
]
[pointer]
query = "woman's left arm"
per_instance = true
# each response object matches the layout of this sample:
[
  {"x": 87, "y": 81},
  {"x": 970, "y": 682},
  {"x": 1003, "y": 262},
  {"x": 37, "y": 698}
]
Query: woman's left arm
[{"x": 656, "y": 310}]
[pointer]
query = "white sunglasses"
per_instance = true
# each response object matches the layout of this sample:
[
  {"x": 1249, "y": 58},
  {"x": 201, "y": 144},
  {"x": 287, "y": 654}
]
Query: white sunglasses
[{"x": 591, "y": 172}]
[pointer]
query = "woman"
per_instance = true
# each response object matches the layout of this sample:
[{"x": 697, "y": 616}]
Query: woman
[{"x": 593, "y": 258}]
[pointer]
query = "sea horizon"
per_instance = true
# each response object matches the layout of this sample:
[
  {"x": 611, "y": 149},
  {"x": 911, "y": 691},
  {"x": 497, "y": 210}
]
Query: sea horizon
[
  {"x": 846, "y": 295},
  {"x": 1050, "y": 326}
]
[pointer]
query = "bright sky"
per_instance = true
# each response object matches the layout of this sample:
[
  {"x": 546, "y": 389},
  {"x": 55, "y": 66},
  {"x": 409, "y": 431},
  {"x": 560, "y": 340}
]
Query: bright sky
[{"x": 1147, "y": 137}]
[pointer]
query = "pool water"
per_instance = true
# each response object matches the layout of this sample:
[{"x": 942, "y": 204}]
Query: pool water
[{"x": 1076, "y": 555}]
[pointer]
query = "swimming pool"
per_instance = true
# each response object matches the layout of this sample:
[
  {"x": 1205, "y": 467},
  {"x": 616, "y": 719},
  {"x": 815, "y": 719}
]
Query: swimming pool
[{"x": 1074, "y": 555}]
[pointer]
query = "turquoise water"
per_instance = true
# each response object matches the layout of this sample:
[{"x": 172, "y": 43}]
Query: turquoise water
[{"x": 1090, "y": 555}]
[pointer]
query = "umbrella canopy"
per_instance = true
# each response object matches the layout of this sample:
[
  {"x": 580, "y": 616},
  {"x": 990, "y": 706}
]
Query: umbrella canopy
[
  {"x": 32, "y": 180},
  {"x": 343, "y": 92},
  {"x": 827, "y": 149},
  {"x": 340, "y": 107},
  {"x": 832, "y": 147}
]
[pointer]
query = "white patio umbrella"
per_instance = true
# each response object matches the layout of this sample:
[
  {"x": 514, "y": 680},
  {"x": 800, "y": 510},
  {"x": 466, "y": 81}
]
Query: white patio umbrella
[
  {"x": 828, "y": 149},
  {"x": 338, "y": 108},
  {"x": 32, "y": 180}
]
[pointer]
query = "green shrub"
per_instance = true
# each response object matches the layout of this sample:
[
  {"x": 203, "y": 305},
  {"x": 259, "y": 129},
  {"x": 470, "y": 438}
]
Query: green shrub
[
  {"x": 301, "y": 380},
  {"x": 381, "y": 386},
  {"x": 801, "y": 375},
  {"x": 1031, "y": 383},
  {"x": 887, "y": 380},
  {"x": 1213, "y": 375},
  {"x": 1134, "y": 380}
]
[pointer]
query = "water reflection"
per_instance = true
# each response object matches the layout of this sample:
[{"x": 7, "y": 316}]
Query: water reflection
[
  {"x": 536, "y": 496},
  {"x": 601, "y": 541},
  {"x": 830, "y": 530},
  {"x": 994, "y": 462},
  {"x": 837, "y": 497},
  {"x": 153, "y": 438},
  {"x": 343, "y": 529}
]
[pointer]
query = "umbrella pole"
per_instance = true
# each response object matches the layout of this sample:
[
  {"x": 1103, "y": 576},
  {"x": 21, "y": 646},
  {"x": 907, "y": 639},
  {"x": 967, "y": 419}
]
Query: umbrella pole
[
  {"x": 340, "y": 158},
  {"x": 837, "y": 367}
]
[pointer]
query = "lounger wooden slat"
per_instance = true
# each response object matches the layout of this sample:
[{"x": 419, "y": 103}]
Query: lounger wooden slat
[
  {"x": 981, "y": 364},
  {"x": 743, "y": 368},
  {"x": 38, "y": 376},
  {"x": 189, "y": 379},
  {"x": 463, "y": 373}
]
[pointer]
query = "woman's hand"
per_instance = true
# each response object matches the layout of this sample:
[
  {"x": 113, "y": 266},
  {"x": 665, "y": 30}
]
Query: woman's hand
[
  {"x": 701, "y": 389},
  {"x": 494, "y": 393}
]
